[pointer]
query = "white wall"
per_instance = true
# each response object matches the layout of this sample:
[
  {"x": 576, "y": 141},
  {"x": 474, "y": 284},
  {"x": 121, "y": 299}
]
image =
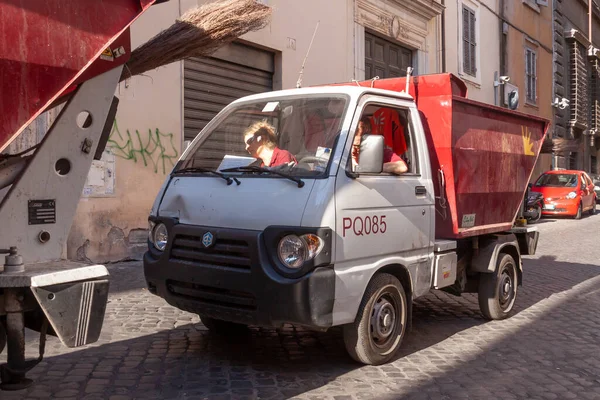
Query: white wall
[
  {"x": 488, "y": 43},
  {"x": 331, "y": 58}
]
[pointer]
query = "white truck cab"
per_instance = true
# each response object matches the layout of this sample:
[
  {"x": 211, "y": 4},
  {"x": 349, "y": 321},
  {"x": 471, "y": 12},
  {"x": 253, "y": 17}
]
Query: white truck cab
[{"x": 320, "y": 241}]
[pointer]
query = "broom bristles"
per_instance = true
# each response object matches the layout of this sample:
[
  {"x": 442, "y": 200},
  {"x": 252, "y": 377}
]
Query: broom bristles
[{"x": 199, "y": 33}]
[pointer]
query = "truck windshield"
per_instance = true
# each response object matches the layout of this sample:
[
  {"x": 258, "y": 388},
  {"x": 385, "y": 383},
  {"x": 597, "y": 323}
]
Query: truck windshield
[
  {"x": 557, "y": 180},
  {"x": 296, "y": 135}
]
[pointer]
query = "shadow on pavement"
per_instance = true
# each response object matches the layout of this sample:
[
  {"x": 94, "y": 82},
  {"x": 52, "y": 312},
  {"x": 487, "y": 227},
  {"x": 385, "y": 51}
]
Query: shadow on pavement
[
  {"x": 502, "y": 359},
  {"x": 549, "y": 351}
]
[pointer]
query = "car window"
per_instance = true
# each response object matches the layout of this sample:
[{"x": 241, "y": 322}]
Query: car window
[{"x": 557, "y": 180}]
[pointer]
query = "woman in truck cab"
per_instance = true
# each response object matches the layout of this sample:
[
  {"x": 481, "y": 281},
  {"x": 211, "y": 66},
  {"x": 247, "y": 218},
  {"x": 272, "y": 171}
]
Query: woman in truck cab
[
  {"x": 261, "y": 143},
  {"x": 392, "y": 162}
]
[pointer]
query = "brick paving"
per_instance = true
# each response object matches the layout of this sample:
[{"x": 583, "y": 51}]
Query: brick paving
[{"x": 549, "y": 350}]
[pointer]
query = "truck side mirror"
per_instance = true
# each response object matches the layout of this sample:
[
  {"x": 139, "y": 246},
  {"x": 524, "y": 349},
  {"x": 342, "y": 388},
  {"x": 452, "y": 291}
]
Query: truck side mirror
[{"x": 371, "y": 154}]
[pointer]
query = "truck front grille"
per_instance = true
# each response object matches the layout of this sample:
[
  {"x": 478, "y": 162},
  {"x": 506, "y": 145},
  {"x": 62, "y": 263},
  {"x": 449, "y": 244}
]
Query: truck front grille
[{"x": 225, "y": 252}]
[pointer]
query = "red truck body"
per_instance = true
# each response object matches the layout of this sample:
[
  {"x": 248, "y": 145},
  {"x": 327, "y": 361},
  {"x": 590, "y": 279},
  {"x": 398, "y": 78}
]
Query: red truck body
[
  {"x": 48, "y": 47},
  {"x": 482, "y": 156}
]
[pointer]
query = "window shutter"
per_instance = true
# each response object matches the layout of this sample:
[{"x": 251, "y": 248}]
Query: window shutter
[
  {"x": 473, "y": 42},
  {"x": 534, "y": 76},
  {"x": 469, "y": 42},
  {"x": 466, "y": 47}
]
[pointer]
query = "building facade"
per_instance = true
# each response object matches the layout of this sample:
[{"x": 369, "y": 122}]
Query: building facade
[
  {"x": 472, "y": 45},
  {"x": 161, "y": 110},
  {"x": 576, "y": 140},
  {"x": 526, "y": 57}
]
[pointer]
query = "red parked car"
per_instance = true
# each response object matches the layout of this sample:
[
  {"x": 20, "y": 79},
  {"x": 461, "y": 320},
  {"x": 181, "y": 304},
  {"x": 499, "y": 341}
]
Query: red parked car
[{"x": 566, "y": 193}]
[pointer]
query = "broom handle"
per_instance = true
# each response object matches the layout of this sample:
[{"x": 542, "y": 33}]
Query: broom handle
[{"x": 299, "y": 83}]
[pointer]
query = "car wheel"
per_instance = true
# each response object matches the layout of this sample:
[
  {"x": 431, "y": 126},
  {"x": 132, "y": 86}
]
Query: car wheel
[
  {"x": 498, "y": 290},
  {"x": 538, "y": 215},
  {"x": 380, "y": 325},
  {"x": 579, "y": 211},
  {"x": 593, "y": 209}
]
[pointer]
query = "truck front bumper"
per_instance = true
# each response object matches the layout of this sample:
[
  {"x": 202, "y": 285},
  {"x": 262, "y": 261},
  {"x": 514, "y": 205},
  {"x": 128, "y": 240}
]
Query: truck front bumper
[{"x": 234, "y": 280}]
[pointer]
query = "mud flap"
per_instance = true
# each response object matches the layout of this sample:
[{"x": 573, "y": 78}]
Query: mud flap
[{"x": 75, "y": 310}]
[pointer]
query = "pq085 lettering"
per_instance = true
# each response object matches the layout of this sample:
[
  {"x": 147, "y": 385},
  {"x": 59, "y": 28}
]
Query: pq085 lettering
[{"x": 365, "y": 226}]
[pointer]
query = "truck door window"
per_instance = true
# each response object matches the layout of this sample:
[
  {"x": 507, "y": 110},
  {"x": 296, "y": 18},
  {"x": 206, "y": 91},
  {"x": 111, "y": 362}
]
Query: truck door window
[{"x": 394, "y": 125}]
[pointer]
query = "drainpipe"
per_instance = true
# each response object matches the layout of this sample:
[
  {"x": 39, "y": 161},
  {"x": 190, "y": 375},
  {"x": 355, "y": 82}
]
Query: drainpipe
[
  {"x": 503, "y": 39},
  {"x": 444, "y": 36},
  {"x": 554, "y": 164},
  {"x": 590, "y": 20},
  {"x": 587, "y": 142}
]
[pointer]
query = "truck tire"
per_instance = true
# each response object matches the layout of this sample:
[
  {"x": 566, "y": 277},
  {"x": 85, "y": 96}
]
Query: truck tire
[
  {"x": 377, "y": 332},
  {"x": 221, "y": 327},
  {"x": 498, "y": 290}
]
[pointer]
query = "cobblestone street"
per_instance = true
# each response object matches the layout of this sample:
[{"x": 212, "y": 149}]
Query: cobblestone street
[{"x": 549, "y": 350}]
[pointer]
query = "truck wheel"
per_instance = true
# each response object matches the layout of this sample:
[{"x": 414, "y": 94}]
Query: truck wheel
[
  {"x": 222, "y": 327},
  {"x": 380, "y": 325},
  {"x": 498, "y": 290}
]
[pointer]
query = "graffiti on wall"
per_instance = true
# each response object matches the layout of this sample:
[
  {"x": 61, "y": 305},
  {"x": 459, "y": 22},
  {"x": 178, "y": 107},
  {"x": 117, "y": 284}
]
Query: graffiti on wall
[{"x": 153, "y": 148}]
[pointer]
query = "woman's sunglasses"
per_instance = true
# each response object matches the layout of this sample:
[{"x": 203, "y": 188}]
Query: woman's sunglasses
[{"x": 250, "y": 140}]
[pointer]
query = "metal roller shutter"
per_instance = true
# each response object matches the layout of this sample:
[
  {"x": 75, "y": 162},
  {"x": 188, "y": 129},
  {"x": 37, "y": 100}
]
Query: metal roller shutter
[{"x": 211, "y": 83}]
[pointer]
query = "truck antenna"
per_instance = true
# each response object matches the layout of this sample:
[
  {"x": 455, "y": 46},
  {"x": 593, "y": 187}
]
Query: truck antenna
[
  {"x": 408, "y": 73},
  {"x": 299, "y": 83}
]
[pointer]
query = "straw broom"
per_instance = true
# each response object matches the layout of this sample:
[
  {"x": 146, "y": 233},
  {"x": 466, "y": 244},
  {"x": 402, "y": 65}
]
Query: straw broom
[{"x": 198, "y": 33}]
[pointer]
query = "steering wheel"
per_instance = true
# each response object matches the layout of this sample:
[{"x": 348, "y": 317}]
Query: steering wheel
[{"x": 312, "y": 159}]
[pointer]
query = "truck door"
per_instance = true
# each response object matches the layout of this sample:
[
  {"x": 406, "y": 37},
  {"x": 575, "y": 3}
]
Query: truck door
[{"x": 385, "y": 219}]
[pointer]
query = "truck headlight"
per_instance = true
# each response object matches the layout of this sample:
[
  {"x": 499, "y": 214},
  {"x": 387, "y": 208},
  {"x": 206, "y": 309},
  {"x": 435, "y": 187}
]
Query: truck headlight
[
  {"x": 161, "y": 237},
  {"x": 294, "y": 251},
  {"x": 571, "y": 195}
]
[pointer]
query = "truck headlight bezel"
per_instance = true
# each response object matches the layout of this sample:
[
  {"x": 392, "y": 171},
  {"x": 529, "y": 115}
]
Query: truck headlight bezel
[
  {"x": 160, "y": 236},
  {"x": 295, "y": 251}
]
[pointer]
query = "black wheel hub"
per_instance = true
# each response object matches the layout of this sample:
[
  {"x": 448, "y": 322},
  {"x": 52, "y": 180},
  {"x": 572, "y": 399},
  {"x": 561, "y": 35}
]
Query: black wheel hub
[
  {"x": 506, "y": 287},
  {"x": 384, "y": 320}
]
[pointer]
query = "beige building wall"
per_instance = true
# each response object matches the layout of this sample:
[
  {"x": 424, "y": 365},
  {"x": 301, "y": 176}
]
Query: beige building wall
[
  {"x": 531, "y": 28},
  {"x": 147, "y": 138},
  {"x": 145, "y": 142},
  {"x": 414, "y": 24},
  {"x": 481, "y": 86}
]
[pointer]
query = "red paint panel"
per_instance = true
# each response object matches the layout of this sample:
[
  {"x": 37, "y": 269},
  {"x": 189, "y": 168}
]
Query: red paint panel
[
  {"x": 46, "y": 45},
  {"x": 487, "y": 153}
]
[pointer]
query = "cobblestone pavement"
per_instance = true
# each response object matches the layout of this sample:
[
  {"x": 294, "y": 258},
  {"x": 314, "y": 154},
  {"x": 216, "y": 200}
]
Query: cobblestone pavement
[{"x": 549, "y": 350}]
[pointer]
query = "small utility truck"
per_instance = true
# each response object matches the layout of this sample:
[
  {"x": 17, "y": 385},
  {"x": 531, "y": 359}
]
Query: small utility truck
[{"x": 324, "y": 241}]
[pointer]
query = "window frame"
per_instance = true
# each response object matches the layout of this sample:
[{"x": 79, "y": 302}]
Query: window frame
[
  {"x": 531, "y": 76},
  {"x": 414, "y": 157},
  {"x": 473, "y": 8}
]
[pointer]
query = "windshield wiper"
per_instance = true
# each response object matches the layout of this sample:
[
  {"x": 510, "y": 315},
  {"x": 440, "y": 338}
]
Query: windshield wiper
[
  {"x": 252, "y": 168},
  {"x": 229, "y": 179}
]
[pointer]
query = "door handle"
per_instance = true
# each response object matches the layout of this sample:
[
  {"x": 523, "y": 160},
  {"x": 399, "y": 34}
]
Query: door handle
[{"x": 420, "y": 191}]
